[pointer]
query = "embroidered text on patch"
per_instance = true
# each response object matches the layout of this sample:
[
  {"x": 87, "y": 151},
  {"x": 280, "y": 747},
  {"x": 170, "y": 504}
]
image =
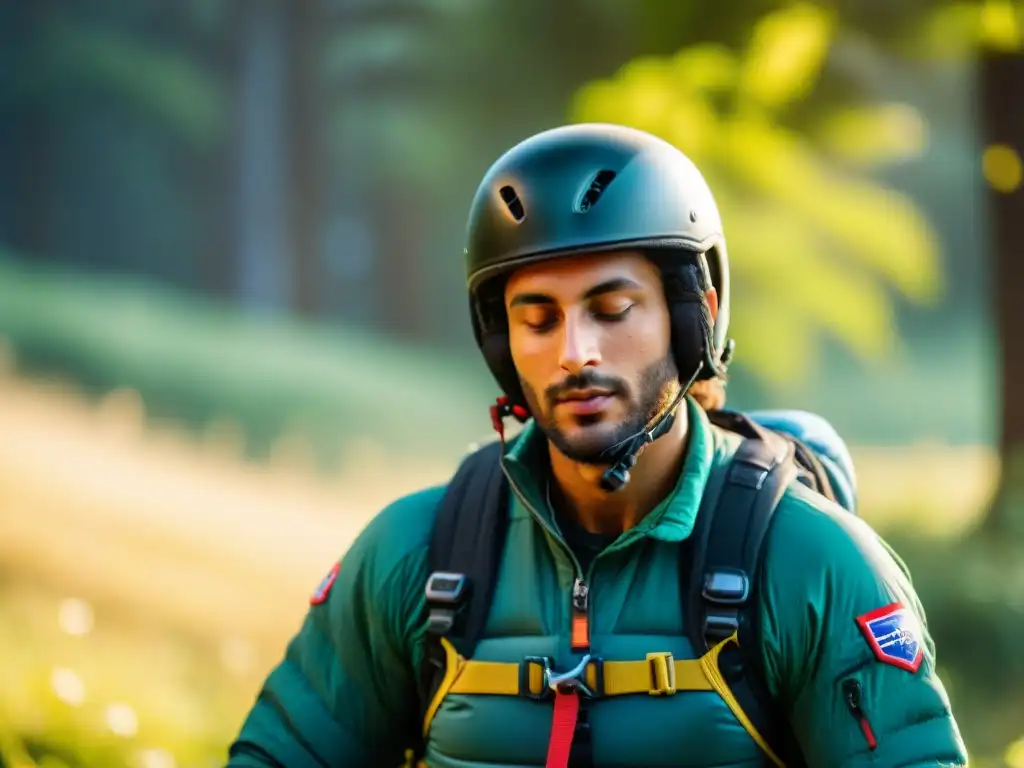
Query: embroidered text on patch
[
  {"x": 894, "y": 636},
  {"x": 324, "y": 590}
]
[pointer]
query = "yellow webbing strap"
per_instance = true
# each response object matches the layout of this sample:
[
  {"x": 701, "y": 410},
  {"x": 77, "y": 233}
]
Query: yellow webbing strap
[
  {"x": 714, "y": 674},
  {"x": 453, "y": 664},
  {"x": 657, "y": 675}
]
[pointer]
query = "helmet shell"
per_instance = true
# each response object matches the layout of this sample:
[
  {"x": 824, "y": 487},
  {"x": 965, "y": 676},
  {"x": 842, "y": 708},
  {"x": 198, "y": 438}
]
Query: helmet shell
[{"x": 592, "y": 188}]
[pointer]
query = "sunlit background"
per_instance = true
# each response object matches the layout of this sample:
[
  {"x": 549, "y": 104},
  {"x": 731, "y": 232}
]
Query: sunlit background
[{"x": 233, "y": 320}]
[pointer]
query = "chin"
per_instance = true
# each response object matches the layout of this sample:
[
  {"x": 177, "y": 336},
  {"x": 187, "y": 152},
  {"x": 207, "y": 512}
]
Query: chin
[{"x": 584, "y": 445}]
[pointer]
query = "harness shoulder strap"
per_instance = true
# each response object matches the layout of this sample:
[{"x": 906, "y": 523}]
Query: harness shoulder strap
[
  {"x": 810, "y": 471},
  {"x": 465, "y": 552},
  {"x": 721, "y": 568}
]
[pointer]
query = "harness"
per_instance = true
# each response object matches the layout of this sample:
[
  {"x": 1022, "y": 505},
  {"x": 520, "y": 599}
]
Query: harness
[{"x": 719, "y": 567}]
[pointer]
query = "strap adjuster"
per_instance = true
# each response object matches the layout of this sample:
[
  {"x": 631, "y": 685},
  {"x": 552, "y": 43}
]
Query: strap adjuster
[
  {"x": 445, "y": 593},
  {"x": 573, "y": 681},
  {"x": 663, "y": 673},
  {"x": 726, "y": 590},
  {"x": 525, "y": 668},
  {"x": 726, "y": 586},
  {"x": 444, "y": 588},
  {"x": 721, "y": 623}
]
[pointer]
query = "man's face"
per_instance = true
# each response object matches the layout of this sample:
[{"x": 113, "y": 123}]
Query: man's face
[{"x": 590, "y": 339}]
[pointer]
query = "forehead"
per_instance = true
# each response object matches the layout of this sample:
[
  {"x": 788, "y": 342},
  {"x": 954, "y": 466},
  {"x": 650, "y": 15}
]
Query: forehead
[{"x": 569, "y": 277}]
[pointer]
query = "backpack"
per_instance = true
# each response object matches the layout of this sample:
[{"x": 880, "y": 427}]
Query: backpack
[{"x": 719, "y": 561}]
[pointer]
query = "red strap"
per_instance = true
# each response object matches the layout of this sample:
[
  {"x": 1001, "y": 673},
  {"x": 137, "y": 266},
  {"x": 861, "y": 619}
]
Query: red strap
[{"x": 563, "y": 726}]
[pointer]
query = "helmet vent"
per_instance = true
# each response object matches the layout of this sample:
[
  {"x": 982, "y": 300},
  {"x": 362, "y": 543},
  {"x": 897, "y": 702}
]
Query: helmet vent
[
  {"x": 512, "y": 201},
  {"x": 595, "y": 190}
]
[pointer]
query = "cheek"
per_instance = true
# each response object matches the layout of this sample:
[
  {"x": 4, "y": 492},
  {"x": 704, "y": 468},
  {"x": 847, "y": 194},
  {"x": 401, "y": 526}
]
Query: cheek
[
  {"x": 530, "y": 358},
  {"x": 639, "y": 344}
]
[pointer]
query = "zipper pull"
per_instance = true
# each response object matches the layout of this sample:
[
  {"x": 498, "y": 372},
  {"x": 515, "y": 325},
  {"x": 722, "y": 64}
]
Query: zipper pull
[
  {"x": 580, "y": 623},
  {"x": 851, "y": 689}
]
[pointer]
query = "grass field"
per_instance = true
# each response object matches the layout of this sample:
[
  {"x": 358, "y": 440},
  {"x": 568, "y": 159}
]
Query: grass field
[{"x": 149, "y": 580}]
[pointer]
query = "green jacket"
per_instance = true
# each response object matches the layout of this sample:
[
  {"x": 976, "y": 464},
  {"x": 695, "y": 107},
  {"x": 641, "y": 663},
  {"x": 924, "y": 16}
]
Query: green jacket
[{"x": 345, "y": 692}]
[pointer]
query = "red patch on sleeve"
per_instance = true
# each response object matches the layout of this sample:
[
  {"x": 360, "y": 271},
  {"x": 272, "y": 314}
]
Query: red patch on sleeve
[
  {"x": 894, "y": 635},
  {"x": 323, "y": 591}
]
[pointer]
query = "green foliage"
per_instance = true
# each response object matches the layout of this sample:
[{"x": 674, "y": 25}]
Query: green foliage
[
  {"x": 816, "y": 246},
  {"x": 74, "y": 59},
  {"x": 960, "y": 29},
  {"x": 198, "y": 362}
]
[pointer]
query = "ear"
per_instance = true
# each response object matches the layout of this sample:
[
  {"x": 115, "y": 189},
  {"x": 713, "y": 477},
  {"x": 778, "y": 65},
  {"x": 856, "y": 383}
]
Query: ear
[{"x": 711, "y": 295}]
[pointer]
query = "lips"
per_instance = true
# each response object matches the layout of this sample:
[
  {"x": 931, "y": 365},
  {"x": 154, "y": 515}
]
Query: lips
[
  {"x": 583, "y": 394},
  {"x": 586, "y": 401}
]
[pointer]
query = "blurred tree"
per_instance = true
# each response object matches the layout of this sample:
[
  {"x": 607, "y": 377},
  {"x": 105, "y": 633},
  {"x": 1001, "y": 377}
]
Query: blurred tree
[
  {"x": 108, "y": 111},
  {"x": 306, "y": 187},
  {"x": 991, "y": 32},
  {"x": 814, "y": 245},
  {"x": 1001, "y": 75},
  {"x": 392, "y": 102},
  {"x": 439, "y": 90},
  {"x": 264, "y": 244},
  {"x": 280, "y": 178}
]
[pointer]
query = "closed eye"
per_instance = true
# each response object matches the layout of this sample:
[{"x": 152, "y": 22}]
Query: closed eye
[
  {"x": 614, "y": 317},
  {"x": 541, "y": 327}
]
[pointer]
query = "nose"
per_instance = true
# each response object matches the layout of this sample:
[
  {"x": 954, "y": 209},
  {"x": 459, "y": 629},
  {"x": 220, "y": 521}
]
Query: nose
[{"x": 580, "y": 347}]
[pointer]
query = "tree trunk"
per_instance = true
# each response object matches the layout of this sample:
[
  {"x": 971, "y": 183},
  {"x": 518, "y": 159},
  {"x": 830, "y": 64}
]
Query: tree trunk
[
  {"x": 264, "y": 240},
  {"x": 220, "y": 262},
  {"x": 306, "y": 149},
  {"x": 1002, "y": 115},
  {"x": 29, "y": 135}
]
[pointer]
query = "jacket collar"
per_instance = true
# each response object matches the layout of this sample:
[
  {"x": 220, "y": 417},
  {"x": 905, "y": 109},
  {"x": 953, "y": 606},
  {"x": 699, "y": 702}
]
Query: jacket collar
[{"x": 526, "y": 462}]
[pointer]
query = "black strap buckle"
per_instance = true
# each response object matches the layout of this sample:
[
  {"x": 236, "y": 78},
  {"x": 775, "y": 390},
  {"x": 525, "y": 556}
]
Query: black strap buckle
[
  {"x": 446, "y": 593},
  {"x": 726, "y": 586},
  {"x": 726, "y": 590}
]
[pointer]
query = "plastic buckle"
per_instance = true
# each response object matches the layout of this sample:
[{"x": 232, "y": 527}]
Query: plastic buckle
[
  {"x": 524, "y": 677},
  {"x": 726, "y": 589},
  {"x": 726, "y": 586},
  {"x": 719, "y": 625},
  {"x": 663, "y": 673},
  {"x": 445, "y": 593},
  {"x": 445, "y": 588}
]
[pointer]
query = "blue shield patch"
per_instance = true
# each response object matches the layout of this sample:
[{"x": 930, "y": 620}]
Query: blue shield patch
[
  {"x": 323, "y": 591},
  {"x": 894, "y": 635}
]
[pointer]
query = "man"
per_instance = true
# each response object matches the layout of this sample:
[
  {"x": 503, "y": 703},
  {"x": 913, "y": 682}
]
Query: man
[{"x": 599, "y": 293}]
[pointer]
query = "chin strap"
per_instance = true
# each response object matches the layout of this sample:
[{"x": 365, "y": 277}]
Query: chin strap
[{"x": 623, "y": 455}]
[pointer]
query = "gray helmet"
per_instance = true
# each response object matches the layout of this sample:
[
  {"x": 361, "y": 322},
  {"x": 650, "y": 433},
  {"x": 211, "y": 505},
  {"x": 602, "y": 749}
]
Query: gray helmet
[{"x": 591, "y": 188}]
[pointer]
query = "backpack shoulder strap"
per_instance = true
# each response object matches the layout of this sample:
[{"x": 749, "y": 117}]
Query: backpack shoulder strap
[
  {"x": 811, "y": 470},
  {"x": 465, "y": 552},
  {"x": 721, "y": 569}
]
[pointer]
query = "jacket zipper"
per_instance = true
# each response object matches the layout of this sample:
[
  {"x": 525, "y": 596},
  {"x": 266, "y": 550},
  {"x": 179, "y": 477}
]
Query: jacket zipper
[
  {"x": 580, "y": 596},
  {"x": 580, "y": 620},
  {"x": 852, "y": 693}
]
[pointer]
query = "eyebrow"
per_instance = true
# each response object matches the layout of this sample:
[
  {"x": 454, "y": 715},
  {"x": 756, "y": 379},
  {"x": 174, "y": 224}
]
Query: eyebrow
[{"x": 608, "y": 286}]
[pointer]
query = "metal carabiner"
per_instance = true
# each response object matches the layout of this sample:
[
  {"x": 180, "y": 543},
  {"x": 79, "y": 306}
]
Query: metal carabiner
[{"x": 570, "y": 681}]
